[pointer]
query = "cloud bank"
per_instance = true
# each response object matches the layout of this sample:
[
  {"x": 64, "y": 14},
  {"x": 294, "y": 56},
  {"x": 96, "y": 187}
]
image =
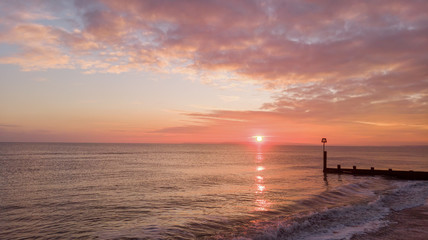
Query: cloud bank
[{"x": 361, "y": 65}]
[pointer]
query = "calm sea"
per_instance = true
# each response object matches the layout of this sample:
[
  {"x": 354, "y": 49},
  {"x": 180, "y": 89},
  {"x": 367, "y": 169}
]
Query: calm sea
[{"x": 195, "y": 191}]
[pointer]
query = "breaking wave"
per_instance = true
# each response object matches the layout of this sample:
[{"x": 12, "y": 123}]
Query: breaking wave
[{"x": 346, "y": 221}]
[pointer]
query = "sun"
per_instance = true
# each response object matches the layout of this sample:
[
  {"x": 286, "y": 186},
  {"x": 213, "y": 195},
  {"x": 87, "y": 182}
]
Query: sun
[{"x": 259, "y": 138}]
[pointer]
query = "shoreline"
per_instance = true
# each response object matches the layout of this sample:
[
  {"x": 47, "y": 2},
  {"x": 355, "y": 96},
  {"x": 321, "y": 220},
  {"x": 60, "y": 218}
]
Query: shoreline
[{"x": 409, "y": 223}]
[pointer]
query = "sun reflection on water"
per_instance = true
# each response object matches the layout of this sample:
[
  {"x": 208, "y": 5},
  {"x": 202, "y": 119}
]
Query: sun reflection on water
[
  {"x": 261, "y": 203},
  {"x": 260, "y": 188},
  {"x": 259, "y": 157}
]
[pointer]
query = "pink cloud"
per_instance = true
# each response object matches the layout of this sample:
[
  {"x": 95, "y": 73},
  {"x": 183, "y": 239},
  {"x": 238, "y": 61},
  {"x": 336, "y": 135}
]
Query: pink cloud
[
  {"x": 273, "y": 42},
  {"x": 359, "y": 65}
]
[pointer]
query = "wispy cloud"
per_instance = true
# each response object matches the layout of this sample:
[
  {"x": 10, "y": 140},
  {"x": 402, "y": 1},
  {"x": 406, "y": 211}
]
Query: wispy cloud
[{"x": 8, "y": 126}]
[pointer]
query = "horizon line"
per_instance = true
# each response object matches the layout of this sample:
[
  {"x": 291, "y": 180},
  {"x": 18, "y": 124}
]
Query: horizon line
[{"x": 220, "y": 143}]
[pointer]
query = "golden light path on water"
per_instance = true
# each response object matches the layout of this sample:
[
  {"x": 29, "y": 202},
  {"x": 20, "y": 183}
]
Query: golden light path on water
[{"x": 261, "y": 203}]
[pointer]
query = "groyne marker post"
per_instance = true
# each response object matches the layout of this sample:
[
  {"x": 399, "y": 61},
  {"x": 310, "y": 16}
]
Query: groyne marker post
[{"x": 324, "y": 140}]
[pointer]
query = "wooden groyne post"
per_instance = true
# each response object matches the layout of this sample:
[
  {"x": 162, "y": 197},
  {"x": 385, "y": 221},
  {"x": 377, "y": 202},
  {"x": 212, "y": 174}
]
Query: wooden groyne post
[
  {"x": 324, "y": 140},
  {"x": 408, "y": 175}
]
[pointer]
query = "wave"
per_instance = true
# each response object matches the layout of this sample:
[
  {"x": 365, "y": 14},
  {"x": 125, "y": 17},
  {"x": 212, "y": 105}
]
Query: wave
[{"x": 346, "y": 221}]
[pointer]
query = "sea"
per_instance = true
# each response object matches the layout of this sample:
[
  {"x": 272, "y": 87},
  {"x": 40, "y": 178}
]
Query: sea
[{"x": 200, "y": 191}]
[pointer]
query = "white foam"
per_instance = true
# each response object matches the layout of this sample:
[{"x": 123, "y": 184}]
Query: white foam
[
  {"x": 408, "y": 194},
  {"x": 345, "y": 222}
]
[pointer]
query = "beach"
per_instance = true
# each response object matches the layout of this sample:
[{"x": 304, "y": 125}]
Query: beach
[{"x": 410, "y": 223}]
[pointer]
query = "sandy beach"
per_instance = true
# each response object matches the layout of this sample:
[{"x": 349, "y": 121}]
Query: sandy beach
[{"x": 410, "y": 223}]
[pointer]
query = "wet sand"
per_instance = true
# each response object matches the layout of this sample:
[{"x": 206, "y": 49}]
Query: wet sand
[{"x": 407, "y": 224}]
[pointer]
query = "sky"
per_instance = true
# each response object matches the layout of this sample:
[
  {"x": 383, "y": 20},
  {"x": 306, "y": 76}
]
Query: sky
[{"x": 181, "y": 71}]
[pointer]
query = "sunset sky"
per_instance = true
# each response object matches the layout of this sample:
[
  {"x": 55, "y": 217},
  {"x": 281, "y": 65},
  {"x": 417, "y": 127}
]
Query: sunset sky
[{"x": 172, "y": 71}]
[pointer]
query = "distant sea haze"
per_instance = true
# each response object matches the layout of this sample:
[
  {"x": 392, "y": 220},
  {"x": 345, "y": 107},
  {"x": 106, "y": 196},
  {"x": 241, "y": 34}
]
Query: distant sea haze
[{"x": 200, "y": 191}]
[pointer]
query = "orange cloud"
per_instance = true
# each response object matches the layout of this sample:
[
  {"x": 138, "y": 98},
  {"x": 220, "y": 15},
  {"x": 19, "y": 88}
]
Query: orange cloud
[{"x": 239, "y": 126}]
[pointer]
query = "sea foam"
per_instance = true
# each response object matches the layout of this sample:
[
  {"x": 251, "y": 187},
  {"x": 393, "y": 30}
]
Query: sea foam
[{"x": 347, "y": 221}]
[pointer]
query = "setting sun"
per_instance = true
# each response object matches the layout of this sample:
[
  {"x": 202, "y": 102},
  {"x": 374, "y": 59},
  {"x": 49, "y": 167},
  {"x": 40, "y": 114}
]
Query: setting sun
[{"x": 206, "y": 117}]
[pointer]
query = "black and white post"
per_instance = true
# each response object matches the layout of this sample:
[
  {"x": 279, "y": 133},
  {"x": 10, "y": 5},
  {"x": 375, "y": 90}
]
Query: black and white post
[{"x": 324, "y": 140}]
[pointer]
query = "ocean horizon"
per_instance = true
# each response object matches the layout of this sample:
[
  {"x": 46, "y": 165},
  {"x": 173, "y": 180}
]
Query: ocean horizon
[
  {"x": 201, "y": 191},
  {"x": 223, "y": 105}
]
